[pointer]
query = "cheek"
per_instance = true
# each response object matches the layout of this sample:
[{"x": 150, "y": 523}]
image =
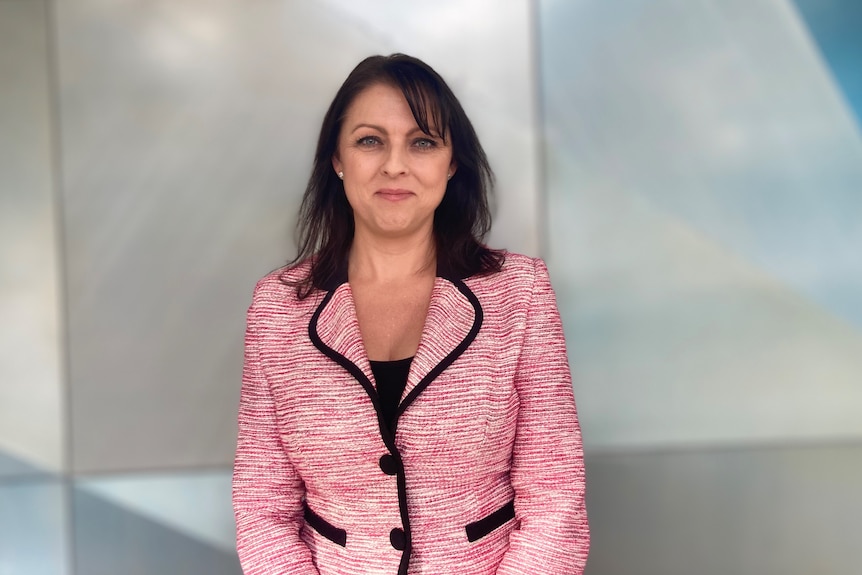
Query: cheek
[
  {"x": 435, "y": 199},
  {"x": 352, "y": 197},
  {"x": 351, "y": 192},
  {"x": 364, "y": 166},
  {"x": 436, "y": 173}
]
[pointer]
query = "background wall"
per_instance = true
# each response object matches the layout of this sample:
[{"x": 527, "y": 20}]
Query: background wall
[
  {"x": 30, "y": 340},
  {"x": 691, "y": 172},
  {"x": 187, "y": 134},
  {"x": 33, "y": 511},
  {"x": 704, "y": 191}
]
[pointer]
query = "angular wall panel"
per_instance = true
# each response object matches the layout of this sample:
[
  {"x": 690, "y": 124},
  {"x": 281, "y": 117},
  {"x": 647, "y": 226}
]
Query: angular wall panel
[
  {"x": 704, "y": 175},
  {"x": 31, "y": 396},
  {"x": 195, "y": 504},
  {"x": 34, "y": 539},
  {"x": 769, "y": 511},
  {"x": 188, "y": 128},
  {"x": 111, "y": 539}
]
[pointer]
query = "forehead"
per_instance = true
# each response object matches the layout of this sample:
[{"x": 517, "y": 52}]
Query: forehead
[
  {"x": 380, "y": 104},
  {"x": 378, "y": 99}
]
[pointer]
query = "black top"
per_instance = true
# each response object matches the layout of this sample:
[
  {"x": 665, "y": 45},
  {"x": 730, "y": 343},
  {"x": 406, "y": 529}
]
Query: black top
[{"x": 391, "y": 378}]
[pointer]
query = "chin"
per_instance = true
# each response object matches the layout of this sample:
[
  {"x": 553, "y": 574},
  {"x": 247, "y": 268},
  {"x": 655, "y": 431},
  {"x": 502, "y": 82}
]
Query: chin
[{"x": 400, "y": 230}]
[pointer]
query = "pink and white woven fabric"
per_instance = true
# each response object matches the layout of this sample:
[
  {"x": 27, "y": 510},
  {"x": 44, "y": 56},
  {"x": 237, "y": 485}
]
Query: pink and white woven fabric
[{"x": 483, "y": 474}]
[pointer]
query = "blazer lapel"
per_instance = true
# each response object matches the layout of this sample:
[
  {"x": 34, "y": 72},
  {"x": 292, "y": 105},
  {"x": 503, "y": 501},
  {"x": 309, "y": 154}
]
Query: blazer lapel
[
  {"x": 334, "y": 330},
  {"x": 453, "y": 320}
]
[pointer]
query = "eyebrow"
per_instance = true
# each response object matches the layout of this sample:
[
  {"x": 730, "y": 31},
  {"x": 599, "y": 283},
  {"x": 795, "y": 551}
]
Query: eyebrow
[{"x": 383, "y": 130}]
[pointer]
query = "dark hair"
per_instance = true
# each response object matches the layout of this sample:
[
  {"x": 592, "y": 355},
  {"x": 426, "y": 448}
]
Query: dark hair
[{"x": 325, "y": 226}]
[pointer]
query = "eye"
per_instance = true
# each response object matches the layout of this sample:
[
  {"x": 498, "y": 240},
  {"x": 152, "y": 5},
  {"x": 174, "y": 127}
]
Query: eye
[
  {"x": 425, "y": 143},
  {"x": 368, "y": 141}
]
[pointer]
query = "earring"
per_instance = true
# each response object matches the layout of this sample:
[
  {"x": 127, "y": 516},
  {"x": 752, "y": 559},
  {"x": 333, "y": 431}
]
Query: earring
[
  {"x": 341, "y": 175},
  {"x": 449, "y": 176}
]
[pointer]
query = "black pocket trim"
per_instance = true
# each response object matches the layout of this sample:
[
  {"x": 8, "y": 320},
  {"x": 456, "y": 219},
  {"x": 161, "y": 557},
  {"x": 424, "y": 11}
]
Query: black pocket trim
[
  {"x": 484, "y": 526},
  {"x": 324, "y": 527}
]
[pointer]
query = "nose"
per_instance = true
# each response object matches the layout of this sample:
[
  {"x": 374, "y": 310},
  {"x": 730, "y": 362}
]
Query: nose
[{"x": 395, "y": 162}]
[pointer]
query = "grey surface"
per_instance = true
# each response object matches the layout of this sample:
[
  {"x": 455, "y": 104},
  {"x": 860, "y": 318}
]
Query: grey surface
[
  {"x": 110, "y": 540},
  {"x": 185, "y": 142},
  {"x": 179, "y": 175},
  {"x": 188, "y": 129},
  {"x": 34, "y": 537},
  {"x": 703, "y": 196},
  {"x": 194, "y": 503},
  {"x": 30, "y": 335},
  {"x": 741, "y": 511},
  {"x": 12, "y": 468},
  {"x": 757, "y": 511}
]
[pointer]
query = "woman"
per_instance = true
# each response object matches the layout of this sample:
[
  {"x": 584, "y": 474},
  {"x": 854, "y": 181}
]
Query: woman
[{"x": 406, "y": 404}]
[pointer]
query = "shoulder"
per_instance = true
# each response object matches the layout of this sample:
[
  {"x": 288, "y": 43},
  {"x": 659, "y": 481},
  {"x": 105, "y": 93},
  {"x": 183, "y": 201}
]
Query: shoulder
[
  {"x": 521, "y": 265},
  {"x": 518, "y": 271},
  {"x": 516, "y": 282},
  {"x": 277, "y": 290}
]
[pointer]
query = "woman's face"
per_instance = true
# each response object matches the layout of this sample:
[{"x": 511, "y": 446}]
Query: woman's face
[{"x": 394, "y": 174}]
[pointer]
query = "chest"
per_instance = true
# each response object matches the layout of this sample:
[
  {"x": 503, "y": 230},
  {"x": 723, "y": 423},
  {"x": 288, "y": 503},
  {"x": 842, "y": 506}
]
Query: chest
[
  {"x": 328, "y": 419},
  {"x": 391, "y": 317},
  {"x": 460, "y": 396}
]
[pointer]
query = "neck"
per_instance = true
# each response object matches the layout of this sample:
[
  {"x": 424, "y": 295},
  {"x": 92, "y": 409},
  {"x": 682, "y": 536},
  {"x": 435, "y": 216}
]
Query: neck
[{"x": 379, "y": 259}]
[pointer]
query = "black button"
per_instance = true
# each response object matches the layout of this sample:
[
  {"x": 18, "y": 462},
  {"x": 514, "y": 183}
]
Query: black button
[
  {"x": 388, "y": 465},
  {"x": 397, "y": 538}
]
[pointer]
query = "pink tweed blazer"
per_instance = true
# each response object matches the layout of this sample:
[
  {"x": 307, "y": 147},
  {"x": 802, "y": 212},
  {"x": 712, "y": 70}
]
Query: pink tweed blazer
[{"x": 483, "y": 473}]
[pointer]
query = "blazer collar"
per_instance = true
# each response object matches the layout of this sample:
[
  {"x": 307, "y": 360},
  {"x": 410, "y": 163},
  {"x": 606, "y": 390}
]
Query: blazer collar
[{"x": 453, "y": 320}]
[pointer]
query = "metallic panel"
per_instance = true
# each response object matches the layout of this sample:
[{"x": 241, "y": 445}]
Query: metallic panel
[
  {"x": 703, "y": 175},
  {"x": 31, "y": 396},
  {"x": 763, "y": 510},
  {"x": 33, "y": 534},
  {"x": 484, "y": 49},
  {"x": 188, "y": 128},
  {"x": 111, "y": 539},
  {"x": 196, "y": 504},
  {"x": 834, "y": 25}
]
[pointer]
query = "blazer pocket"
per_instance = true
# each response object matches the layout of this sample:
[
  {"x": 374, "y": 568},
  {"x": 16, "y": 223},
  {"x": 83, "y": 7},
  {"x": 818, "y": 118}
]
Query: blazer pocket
[
  {"x": 484, "y": 526},
  {"x": 324, "y": 527}
]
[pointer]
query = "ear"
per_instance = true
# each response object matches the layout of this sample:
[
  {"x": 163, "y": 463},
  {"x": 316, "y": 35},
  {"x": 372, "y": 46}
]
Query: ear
[
  {"x": 336, "y": 163},
  {"x": 453, "y": 167}
]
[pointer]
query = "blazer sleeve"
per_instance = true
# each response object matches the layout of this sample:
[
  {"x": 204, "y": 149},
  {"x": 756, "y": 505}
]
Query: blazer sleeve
[
  {"x": 547, "y": 471},
  {"x": 267, "y": 491}
]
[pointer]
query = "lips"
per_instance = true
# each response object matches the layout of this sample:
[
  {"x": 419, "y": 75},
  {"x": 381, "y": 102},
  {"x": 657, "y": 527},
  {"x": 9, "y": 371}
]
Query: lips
[{"x": 394, "y": 195}]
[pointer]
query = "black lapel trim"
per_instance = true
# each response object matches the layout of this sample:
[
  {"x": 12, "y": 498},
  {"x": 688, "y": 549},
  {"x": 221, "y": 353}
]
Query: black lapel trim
[
  {"x": 386, "y": 434},
  {"x": 351, "y": 367},
  {"x": 453, "y": 355}
]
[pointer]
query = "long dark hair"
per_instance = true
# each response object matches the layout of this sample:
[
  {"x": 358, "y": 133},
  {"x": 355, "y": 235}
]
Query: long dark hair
[{"x": 325, "y": 226}]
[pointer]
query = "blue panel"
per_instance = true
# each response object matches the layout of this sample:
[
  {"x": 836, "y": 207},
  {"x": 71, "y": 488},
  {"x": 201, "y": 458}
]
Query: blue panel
[
  {"x": 197, "y": 504},
  {"x": 836, "y": 25},
  {"x": 768, "y": 168},
  {"x": 704, "y": 180},
  {"x": 110, "y": 539},
  {"x": 11, "y": 466},
  {"x": 33, "y": 539}
]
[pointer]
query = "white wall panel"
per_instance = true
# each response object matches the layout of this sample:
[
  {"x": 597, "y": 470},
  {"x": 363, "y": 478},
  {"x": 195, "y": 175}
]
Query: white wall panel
[
  {"x": 704, "y": 176},
  {"x": 188, "y": 129},
  {"x": 763, "y": 511},
  {"x": 31, "y": 395},
  {"x": 484, "y": 50}
]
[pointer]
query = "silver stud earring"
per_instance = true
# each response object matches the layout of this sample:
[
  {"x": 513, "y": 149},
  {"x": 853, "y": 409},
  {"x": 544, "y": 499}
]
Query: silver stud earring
[
  {"x": 449, "y": 176},
  {"x": 341, "y": 175}
]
